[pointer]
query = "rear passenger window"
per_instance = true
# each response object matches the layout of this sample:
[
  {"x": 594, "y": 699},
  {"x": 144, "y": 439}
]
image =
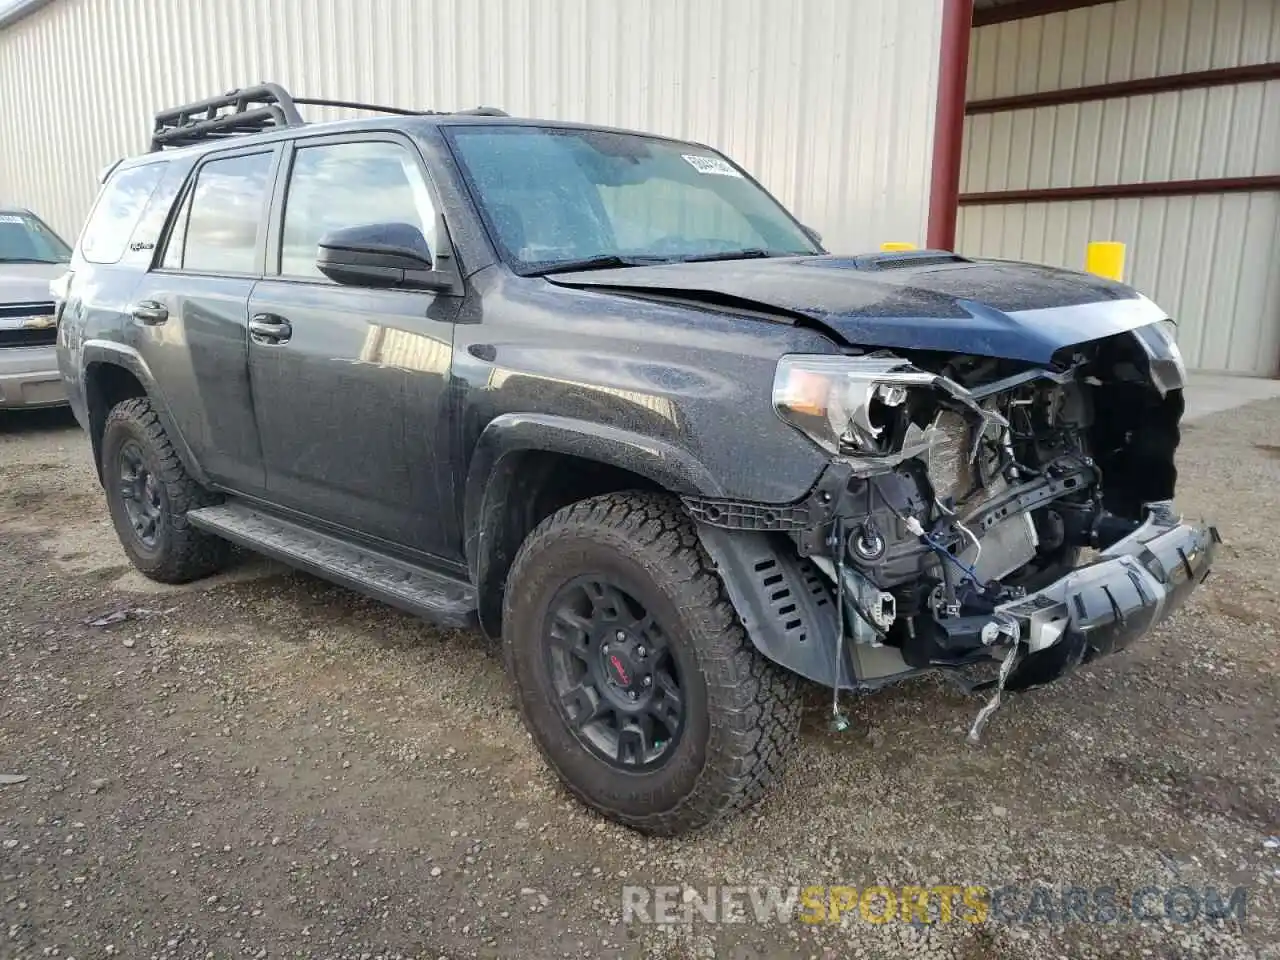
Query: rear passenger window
[
  {"x": 219, "y": 232},
  {"x": 117, "y": 211},
  {"x": 346, "y": 185}
]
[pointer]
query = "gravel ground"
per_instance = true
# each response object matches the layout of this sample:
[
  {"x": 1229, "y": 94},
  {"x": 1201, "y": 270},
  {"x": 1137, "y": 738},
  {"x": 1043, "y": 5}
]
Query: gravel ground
[{"x": 262, "y": 765}]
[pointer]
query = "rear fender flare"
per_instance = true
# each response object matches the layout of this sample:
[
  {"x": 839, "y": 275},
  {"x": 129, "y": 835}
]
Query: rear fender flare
[{"x": 119, "y": 355}]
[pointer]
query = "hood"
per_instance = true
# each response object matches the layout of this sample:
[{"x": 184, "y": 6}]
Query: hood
[
  {"x": 28, "y": 282},
  {"x": 927, "y": 301}
]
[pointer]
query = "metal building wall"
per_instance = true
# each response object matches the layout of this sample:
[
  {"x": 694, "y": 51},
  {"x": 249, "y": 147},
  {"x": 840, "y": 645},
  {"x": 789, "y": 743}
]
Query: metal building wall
[
  {"x": 829, "y": 102},
  {"x": 1210, "y": 260}
]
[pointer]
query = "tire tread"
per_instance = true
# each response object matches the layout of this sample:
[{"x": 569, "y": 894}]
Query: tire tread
[
  {"x": 755, "y": 704},
  {"x": 191, "y": 553}
]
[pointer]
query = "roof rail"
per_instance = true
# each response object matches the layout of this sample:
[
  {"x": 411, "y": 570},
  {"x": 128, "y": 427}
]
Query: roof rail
[
  {"x": 400, "y": 111},
  {"x": 255, "y": 109}
]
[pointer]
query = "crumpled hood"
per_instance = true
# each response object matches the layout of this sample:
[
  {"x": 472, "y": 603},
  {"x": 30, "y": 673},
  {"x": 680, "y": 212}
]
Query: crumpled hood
[
  {"x": 994, "y": 308},
  {"x": 28, "y": 282}
]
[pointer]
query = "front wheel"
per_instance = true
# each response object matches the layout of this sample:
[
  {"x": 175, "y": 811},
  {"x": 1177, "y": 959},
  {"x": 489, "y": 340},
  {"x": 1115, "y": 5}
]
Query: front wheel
[{"x": 632, "y": 671}]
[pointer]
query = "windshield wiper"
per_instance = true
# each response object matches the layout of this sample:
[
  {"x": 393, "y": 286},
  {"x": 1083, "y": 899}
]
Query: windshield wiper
[
  {"x": 750, "y": 253},
  {"x": 29, "y": 260},
  {"x": 605, "y": 261}
]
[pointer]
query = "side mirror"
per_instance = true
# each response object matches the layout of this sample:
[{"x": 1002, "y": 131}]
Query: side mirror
[
  {"x": 379, "y": 255},
  {"x": 812, "y": 234}
]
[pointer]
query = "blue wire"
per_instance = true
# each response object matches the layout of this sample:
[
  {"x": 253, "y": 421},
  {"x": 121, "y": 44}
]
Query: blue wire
[
  {"x": 937, "y": 547},
  {"x": 944, "y": 552}
]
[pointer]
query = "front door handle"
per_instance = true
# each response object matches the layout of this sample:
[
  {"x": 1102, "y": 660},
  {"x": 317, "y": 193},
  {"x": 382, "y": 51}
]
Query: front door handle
[
  {"x": 150, "y": 312},
  {"x": 269, "y": 328}
]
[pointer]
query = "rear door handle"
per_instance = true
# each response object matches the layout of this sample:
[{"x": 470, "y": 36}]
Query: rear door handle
[
  {"x": 268, "y": 328},
  {"x": 150, "y": 312}
]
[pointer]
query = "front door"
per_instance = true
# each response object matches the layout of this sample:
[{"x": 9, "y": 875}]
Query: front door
[{"x": 349, "y": 382}]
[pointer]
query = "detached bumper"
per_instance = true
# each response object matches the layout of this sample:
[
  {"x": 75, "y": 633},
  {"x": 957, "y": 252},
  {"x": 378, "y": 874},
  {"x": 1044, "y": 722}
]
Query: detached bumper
[
  {"x": 1105, "y": 606},
  {"x": 29, "y": 377}
]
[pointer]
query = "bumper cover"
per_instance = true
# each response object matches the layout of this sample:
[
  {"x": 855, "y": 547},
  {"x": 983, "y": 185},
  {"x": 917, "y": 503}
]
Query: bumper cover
[
  {"x": 1105, "y": 606},
  {"x": 29, "y": 377}
]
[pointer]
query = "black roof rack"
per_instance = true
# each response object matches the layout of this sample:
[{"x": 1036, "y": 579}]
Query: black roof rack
[
  {"x": 255, "y": 109},
  {"x": 250, "y": 110}
]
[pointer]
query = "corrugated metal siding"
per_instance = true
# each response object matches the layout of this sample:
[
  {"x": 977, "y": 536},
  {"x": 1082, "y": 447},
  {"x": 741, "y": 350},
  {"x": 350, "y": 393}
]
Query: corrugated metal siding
[
  {"x": 1208, "y": 260},
  {"x": 829, "y": 102}
]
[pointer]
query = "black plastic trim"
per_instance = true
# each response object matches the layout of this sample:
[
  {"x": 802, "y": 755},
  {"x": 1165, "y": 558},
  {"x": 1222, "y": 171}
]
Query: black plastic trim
[
  {"x": 784, "y": 602},
  {"x": 117, "y": 354}
]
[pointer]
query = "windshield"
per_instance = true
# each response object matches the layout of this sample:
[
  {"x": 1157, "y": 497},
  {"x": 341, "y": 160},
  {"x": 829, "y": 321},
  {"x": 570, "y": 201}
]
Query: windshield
[
  {"x": 552, "y": 196},
  {"x": 24, "y": 239}
]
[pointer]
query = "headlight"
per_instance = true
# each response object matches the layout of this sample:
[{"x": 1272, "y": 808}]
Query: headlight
[
  {"x": 863, "y": 405},
  {"x": 847, "y": 404},
  {"x": 60, "y": 286},
  {"x": 1168, "y": 370}
]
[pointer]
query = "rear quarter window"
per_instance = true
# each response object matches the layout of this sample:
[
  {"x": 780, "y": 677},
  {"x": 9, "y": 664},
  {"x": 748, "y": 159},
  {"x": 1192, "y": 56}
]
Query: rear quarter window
[{"x": 117, "y": 211}]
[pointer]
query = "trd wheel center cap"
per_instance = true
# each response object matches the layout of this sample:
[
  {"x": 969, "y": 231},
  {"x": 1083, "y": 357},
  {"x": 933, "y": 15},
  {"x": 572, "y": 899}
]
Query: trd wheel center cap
[
  {"x": 615, "y": 679},
  {"x": 622, "y": 665},
  {"x": 618, "y": 671}
]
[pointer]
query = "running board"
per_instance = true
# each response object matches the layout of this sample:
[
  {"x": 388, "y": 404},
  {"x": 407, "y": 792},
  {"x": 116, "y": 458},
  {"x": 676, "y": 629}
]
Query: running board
[{"x": 433, "y": 596}]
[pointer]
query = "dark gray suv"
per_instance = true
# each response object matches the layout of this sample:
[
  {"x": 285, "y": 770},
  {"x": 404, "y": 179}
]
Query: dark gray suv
[{"x": 600, "y": 394}]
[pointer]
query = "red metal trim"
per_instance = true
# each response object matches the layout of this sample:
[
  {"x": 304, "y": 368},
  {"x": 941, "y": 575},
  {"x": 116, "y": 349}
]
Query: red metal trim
[
  {"x": 1108, "y": 191},
  {"x": 948, "y": 123},
  {"x": 1253, "y": 73},
  {"x": 1029, "y": 8}
]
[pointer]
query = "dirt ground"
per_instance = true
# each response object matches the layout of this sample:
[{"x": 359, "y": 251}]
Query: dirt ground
[{"x": 263, "y": 765}]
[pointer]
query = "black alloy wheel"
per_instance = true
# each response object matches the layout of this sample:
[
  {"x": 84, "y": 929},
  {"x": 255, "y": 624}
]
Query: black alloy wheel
[
  {"x": 615, "y": 680},
  {"x": 633, "y": 672},
  {"x": 149, "y": 492},
  {"x": 140, "y": 491}
]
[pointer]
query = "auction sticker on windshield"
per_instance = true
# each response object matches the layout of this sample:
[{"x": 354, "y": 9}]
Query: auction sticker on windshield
[{"x": 713, "y": 165}]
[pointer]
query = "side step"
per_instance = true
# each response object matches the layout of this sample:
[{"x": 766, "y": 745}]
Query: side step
[{"x": 433, "y": 596}]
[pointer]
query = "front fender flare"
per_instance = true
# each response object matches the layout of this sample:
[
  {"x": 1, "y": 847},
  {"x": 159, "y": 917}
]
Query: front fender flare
[
  {"x": 495, "y": 482},
  {"x": 667, "y": 465}
]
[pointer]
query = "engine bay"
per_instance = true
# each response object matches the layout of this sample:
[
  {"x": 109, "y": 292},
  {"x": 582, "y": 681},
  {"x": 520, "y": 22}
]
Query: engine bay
[
  {"x": 975, "y": 510},
  {"x": 1005, "y": 489}
]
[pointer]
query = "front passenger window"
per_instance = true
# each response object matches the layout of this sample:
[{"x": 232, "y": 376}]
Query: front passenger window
[{"x": 346, "y": 185}]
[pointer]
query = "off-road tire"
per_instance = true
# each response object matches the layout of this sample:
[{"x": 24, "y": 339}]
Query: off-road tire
[
  {"x": 743, "y": 711},
  {"x": 181, "y": 552}
]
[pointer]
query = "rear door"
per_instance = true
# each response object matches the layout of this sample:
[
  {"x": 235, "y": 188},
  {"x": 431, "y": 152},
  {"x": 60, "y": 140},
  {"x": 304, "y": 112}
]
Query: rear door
[
  {"x": 349, "y": 382},
  {"x": 189, "y": 316}
]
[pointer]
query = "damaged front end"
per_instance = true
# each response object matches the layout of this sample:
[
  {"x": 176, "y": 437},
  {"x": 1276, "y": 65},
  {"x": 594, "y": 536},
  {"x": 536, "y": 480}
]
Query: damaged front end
[{"x": 951, "y": 528}]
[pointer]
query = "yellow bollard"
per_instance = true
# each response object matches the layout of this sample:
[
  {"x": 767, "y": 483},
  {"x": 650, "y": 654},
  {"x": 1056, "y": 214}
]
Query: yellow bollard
[
  {"x": 896, "y": 246},
  {"x": 1106, "y": 259}
]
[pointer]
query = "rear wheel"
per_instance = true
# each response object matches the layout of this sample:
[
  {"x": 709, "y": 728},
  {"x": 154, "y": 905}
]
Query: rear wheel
[
  {"x": 149, "y": 493},
  {"x": 633, "y": 672}
]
